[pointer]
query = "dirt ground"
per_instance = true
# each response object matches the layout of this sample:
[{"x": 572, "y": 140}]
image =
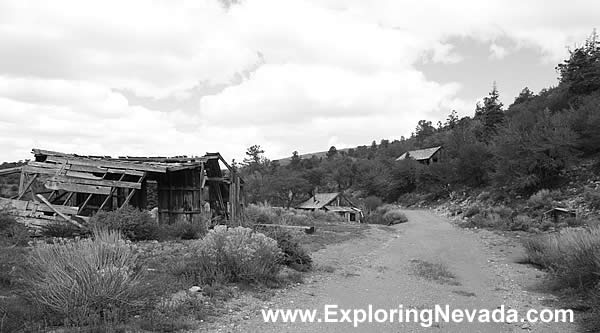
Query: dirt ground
[{"x": 379, "y": 269}]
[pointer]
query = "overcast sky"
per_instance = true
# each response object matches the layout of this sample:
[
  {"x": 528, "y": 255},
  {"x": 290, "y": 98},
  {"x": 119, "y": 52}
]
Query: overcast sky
[{"x": 188, "y": 77}]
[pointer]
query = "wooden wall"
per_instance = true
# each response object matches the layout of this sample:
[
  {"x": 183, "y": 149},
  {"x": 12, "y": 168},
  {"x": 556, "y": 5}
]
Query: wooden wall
[{"x": 180, "y": 196}]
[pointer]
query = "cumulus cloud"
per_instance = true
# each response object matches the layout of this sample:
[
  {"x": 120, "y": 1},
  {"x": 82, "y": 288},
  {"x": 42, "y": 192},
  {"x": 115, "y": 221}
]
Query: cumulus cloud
[{"x": 189, "y": 76}]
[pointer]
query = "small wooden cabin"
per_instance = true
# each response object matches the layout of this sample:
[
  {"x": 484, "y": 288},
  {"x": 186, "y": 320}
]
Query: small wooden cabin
[
  {"x": 333, "y": 202},
  {"x": 75, "y": 187},
  {"x": 424, "y": 156}
]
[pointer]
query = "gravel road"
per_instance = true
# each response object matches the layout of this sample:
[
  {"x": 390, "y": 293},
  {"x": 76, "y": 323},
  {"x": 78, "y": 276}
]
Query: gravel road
[{"x": 379, "y": 270}]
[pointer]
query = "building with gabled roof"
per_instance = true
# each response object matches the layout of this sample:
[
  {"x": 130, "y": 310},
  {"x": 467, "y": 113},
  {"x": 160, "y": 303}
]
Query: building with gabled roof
[
  {"x": 424, "y": 156},
  {"x": 333, "y": 202}
]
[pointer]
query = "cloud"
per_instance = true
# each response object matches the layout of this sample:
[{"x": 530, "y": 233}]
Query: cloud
[
  {"x": 497, "y": 51},
  {"x": 179, "y": 77}
]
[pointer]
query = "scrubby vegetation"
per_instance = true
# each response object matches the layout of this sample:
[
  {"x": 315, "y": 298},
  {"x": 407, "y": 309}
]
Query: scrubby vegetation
[
  {"x": 86, "y": 282},
  {"x": 572, "y": 256},
  {"x": 232, "y": 255},
  {"x": 265, "y": 214}
]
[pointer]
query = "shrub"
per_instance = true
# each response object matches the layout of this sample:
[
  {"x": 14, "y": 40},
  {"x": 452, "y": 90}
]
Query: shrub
[
  {"x": 231, "y": 255},
  {"x": 11, "y": 231},
  {"x": 133, "y": 223},
  {"x": 259, "y": 214},
  {"x": 394, "y": 216},
  {"x": 183, "y": 230},
  {"x": 541, "y": 199},
  {"x": 522, "y": 222},
  {"x": 472, "y": 210},
  {"x": 592, "y": 197},
  {"x": 294, "y": 255},
  {"x": 372, "y": 202},
  {"x": 572, "y": 256},
  {"x": 88, "y": 281},
  {"x": 62, "y": 230}
]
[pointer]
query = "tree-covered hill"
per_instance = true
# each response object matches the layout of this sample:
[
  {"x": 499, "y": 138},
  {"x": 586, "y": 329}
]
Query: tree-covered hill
[{"x": 516, "y": 149}]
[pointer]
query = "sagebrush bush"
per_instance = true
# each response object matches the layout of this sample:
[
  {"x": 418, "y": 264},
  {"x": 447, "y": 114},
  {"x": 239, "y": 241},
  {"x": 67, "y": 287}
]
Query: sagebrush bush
[
  {"x": 133, "y": 223},
  {"x": 394, "y": 216},
  {"x": 592, "y": 197},
  {"x": 265, "y": 214},
  {"x": 232, "y": 255},
  {"x": 572, "y": 256},
  {"x": 294, "y": 255},
  {"x": 183, "y": 230},
  {"x": 472, "y": 210},
  {"x": 11, "y": 231},
  {"x": 541, "y": 199},
  {"x": 62, "y": 230},
  {"x": 88, "y": 281}
]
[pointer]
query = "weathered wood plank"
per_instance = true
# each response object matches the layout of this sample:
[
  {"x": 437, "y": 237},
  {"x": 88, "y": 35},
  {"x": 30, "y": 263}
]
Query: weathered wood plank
[
  {"x": 98, "y": 182},
  {"x": 32, "y": 206},
  {"x": 85, "y": 168},
  {"x": 126, "y": 172},
  {"x": 43, "y": 171},
  {"x": 306, "y": 229},
  {"x": 107, "y": 164},
  {"x": 10, "y": 171},
  {"x": 79, "y": 188},
  {"x": 49, "y": 205}
]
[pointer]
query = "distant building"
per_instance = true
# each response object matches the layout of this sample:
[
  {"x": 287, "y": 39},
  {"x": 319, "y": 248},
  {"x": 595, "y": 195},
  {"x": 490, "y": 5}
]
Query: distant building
[
  {"x": 423, "y": 156},
  {"x": 333, "y": 202}
]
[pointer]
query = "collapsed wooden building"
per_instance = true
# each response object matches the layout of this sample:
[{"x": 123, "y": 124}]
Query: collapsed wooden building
[{"x": 73, "y": 187}]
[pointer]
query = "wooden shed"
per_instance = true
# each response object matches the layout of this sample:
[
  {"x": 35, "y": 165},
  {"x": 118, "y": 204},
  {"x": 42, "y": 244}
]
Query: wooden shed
[{"x": 75, "y": 187}]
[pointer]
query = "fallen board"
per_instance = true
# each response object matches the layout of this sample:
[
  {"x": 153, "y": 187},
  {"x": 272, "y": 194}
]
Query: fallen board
[
  {"x": 306, "y": 229},
  {"x": 30, "y": 207}
]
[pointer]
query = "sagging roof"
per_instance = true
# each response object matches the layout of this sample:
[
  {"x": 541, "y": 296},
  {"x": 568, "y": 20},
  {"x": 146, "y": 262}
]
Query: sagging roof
[
  {"x": 319, "y": 200},
  {"x": 88, "y": 163},
  {"x": 419, "y": 154}
]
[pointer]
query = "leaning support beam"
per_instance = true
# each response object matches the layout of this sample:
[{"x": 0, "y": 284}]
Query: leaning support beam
[
  {"x": 67, "y": 218},
  {"x": 27, "y": 186}
]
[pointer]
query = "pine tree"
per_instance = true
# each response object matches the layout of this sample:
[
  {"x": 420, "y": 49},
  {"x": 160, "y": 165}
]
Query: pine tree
[{"x": 490, "y": 113}]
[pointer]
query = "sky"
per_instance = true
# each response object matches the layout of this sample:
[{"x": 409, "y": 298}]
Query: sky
[{"x": 177, "y": 77}]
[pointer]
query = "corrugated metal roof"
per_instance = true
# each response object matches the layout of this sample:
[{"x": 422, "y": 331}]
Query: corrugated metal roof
[
  {"x": 419, "y": 154},
  {"x": 319, "y": 200}
]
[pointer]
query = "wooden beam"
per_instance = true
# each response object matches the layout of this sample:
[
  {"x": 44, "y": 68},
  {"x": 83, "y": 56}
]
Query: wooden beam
[
  {"x": 57, "y": 211},
  {"x": 32, "y": 206},
  {"x": 98, "y": 182},
  {"x": 126, "y": 172},
  {"x": 306, "y": 229},
  {"x": 108, "y": 164},
  {"x": 10, "y": 171},
  {"x": 42, "y": 171},
  {"x": 84, "y": 203},
  {"x": 26, "y": 187},
  {"x": 132, "y": 192},
  {"x": 79, "y": 188},
  {"x": 112, "y": 190}
]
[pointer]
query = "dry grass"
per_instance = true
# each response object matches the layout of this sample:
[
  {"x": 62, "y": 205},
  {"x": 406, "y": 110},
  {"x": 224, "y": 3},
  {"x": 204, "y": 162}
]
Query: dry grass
[
  {"x": 87, "y": 282},
  {"x": 437, "y": 272},
  {"x": 572, "y": 256}
]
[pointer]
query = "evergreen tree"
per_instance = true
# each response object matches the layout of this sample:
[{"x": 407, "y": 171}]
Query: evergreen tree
[{"x": 490, "y": 113}]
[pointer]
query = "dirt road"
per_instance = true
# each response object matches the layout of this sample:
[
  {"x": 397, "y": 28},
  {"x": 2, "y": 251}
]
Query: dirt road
[{"x": 382, "y": 270}]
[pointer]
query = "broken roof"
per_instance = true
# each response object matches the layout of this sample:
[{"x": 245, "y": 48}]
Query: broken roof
[
  {"x": 319, "y": 200},
  {"x": 103, "y": 163},
  {"x": 419, "y": 154}
]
